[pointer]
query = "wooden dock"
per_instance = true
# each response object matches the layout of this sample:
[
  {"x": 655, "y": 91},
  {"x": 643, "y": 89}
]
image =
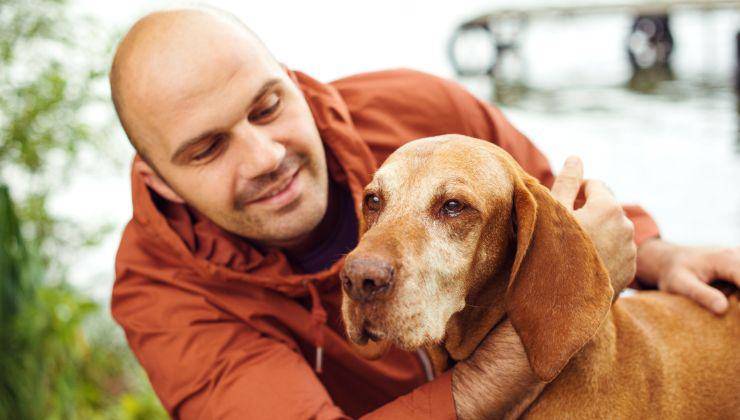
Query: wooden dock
[
  {"x": 634, "y": 8},
  {"x": 650, "y": 43}
]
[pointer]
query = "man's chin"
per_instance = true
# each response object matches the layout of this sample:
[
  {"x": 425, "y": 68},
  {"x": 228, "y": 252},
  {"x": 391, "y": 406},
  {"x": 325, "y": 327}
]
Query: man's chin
[{"x": 286, "y": 231}]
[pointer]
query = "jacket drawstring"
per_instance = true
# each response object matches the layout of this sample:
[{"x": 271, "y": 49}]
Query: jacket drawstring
[{"x": 318, "y": 316}]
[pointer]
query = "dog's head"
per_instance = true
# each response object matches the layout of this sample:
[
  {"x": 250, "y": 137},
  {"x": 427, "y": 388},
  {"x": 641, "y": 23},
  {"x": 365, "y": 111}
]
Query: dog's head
[{"x": 455, "y": 237}]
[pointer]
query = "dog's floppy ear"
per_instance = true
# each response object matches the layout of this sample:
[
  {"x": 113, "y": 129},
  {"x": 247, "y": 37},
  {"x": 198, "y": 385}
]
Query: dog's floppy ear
[{"x": 559, "y": 292}]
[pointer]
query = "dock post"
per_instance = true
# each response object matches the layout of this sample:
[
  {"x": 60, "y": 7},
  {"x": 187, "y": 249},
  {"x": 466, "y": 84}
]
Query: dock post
[
  {"x": 501, "y": 37},
  {"x": 737, "y": 62},
  {"x": 650, "y": 42},
  {"x": 480, "y": 32}
]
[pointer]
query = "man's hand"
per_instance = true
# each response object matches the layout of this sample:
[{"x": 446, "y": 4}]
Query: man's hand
[
  {"x": 496, "y": 381},
  {"x": 603, "y": 220},
  {"x": 686, "y": 270}
]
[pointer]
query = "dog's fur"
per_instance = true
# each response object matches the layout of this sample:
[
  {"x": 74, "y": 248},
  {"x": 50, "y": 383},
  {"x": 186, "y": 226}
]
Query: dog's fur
[{"x": 514, "y": 252}]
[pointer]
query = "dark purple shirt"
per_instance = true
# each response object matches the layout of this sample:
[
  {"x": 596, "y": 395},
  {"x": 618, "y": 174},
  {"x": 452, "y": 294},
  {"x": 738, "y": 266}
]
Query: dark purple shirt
[{"x": 341, "y": 240}]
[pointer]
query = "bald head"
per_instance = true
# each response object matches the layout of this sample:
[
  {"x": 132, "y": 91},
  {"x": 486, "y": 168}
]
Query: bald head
[{"x": 167, "y": 56}]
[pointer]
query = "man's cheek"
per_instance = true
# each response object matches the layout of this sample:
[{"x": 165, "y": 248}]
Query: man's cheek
[{"x": 212, "y": 196}]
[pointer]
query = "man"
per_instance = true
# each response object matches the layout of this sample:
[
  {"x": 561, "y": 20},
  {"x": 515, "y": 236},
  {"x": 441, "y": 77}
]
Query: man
[{"x": 246, "y": 191}]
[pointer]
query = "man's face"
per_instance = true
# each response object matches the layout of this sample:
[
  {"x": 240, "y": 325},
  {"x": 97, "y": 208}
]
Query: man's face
[{"x": 233, "y": 136}]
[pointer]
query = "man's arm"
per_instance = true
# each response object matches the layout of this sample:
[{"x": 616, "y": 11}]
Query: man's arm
[{"x": 204, "y": 363}]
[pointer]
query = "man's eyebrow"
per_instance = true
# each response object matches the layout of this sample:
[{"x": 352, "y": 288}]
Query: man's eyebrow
[
  {"x": 204, "y": 135},
  {"x": 263, "y": 90}
]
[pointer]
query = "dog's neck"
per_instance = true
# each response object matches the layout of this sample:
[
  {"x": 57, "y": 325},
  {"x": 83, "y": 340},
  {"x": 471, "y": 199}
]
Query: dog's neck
[{"x": 484, "y": 309}]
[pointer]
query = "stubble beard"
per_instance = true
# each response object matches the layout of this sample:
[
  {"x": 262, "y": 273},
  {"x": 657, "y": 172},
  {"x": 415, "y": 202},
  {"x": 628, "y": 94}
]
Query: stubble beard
[{"x": 290, "y": 224}]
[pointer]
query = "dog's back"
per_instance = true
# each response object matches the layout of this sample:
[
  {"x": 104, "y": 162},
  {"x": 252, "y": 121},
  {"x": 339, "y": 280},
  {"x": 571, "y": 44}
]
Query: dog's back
[{"x": 656, "y": 356}]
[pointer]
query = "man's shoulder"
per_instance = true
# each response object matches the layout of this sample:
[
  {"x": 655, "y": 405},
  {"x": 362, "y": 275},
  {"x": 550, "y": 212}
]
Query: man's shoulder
[
  {"x": 398, "y": 85},
  {"x": 389, "y": 77},
  {"x": 391, "y": 107}
]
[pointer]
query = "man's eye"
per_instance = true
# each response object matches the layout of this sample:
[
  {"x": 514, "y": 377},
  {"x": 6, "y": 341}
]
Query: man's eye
[
  {"x": 267, "y": 111},
  {"x": 210, "y": 150}
]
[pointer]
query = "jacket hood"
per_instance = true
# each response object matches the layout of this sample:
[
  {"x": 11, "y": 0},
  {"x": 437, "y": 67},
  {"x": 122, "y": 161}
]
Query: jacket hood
[{"x": 214, "y": 253}]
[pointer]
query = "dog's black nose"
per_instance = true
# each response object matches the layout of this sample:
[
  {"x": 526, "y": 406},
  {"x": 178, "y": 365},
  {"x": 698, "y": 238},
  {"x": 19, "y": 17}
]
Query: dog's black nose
[{"x": 366, "y": 278}]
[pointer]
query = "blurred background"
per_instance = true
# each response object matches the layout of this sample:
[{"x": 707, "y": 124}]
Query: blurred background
[{"x": 646, "y": 96}]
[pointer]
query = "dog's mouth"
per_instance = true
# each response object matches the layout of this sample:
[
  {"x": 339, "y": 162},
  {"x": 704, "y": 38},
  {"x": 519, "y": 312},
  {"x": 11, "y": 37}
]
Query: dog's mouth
[{"x": 369, "y": 332}]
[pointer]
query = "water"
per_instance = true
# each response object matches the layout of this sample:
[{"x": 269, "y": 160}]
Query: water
[
  {"x": 672, "y": 148},
  {"x": 675, "y": 155}
]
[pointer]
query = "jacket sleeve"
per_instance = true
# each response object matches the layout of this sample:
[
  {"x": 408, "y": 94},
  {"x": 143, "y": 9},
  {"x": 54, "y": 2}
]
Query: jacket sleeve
[
  {"x": 432, "y": 401},
  {"x": 203, "y": 363},
  {"x": 484, "y": 121}
]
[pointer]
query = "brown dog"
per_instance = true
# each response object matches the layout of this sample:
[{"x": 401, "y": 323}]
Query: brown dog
[{"x": 456, "y": 236}]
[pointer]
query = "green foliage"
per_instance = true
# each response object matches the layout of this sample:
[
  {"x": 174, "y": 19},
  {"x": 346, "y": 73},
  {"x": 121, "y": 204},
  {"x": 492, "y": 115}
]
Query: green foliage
[
  {"x": 49, "y": 368},
  {"x": 60, "y": 355},
  {"x": 46, "y": 79},
  {"x": 15, "y": 291},
  {"x": 48, "y": 92}
]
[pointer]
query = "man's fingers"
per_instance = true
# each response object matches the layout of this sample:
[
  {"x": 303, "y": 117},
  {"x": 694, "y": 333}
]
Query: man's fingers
[
  {"x": 568, "y": 182},
  {"x": 597, "y": 193},
  {"x": 693, "y": 288},
  {"x": 726, "y": 264}
]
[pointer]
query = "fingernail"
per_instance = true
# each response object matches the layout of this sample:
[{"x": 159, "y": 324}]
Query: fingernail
[{"x": 719, "y": 306}]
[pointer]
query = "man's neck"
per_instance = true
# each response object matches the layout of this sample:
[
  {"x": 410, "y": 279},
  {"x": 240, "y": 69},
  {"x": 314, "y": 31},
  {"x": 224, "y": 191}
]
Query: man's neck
[{"x": 324, "y": 229}]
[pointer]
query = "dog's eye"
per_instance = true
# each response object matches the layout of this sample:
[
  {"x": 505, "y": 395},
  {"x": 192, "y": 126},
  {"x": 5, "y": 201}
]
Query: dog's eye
[
  {"x": 372, "y": 202},
  {"x": 452, "y": 208}
]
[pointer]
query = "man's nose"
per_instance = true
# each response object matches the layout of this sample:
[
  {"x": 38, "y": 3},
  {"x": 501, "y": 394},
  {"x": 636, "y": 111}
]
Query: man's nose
[
  {"x": 366, "y": 278},
  {"x": 266, "y": 154}
]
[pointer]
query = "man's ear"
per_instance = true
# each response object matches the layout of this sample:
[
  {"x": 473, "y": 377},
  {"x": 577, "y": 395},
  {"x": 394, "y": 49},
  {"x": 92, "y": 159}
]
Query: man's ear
[{"x": 155, "y": 182}]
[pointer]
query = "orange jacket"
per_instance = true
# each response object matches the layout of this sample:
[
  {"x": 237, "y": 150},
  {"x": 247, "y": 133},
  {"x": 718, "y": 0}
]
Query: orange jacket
[{"x": 225, "y": 331}]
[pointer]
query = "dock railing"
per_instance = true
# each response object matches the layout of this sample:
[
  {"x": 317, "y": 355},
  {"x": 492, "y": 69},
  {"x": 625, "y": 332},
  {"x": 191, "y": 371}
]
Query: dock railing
[{"x": 649, "y": 44}]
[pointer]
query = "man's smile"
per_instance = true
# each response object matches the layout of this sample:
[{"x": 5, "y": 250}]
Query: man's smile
[{"x": 282, "y": 193}]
